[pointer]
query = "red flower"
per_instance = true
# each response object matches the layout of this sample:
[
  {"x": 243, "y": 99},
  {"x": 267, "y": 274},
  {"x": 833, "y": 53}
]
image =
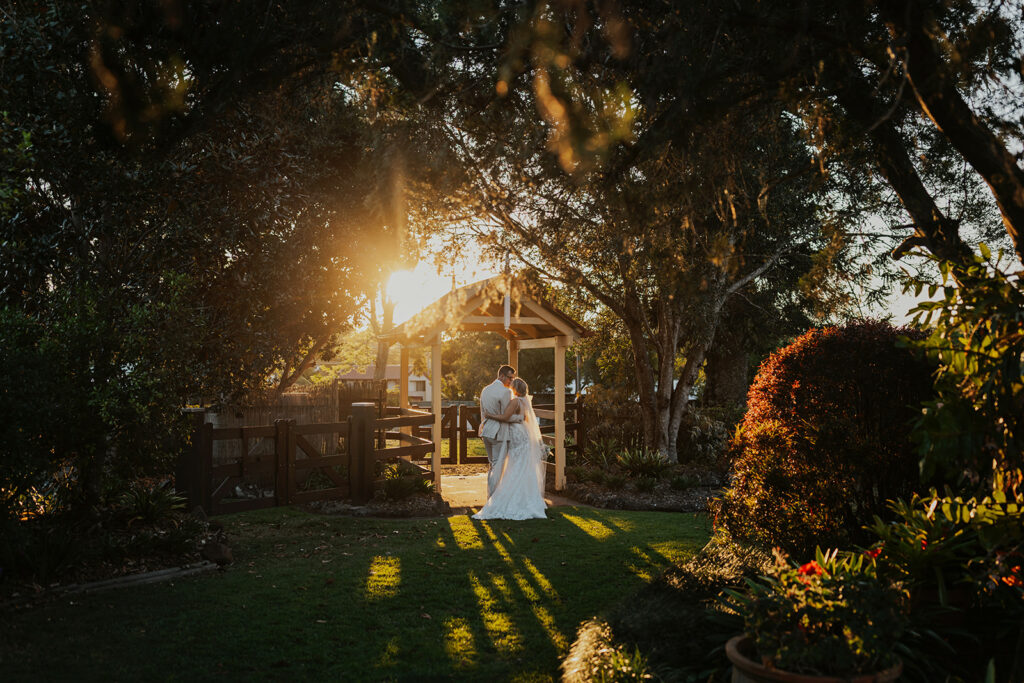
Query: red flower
[
  {"x": 873, "y": 554},
  {"x": 1013, "y": 581},
  {"x": 812, "y": 568},
  {"x": 924, "y": 543}
]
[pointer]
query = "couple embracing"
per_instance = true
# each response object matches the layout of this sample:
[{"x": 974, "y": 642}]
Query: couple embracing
[{"x": 511, "y": 435}]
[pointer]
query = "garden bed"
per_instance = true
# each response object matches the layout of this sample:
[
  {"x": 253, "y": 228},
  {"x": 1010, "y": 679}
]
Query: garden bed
[{"x": 676, "y": 490}]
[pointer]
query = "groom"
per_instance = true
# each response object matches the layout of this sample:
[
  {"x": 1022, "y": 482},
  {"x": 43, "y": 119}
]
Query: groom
[{"x": 494, "y": 399}]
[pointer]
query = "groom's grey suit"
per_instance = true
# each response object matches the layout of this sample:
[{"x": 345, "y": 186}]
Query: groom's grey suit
[{"x": 495, "y": 434}]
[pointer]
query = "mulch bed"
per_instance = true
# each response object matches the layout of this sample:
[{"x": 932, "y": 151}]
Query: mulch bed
[
  {"x": 416, "y": 505},
  {"x": 663, "y": 497}
]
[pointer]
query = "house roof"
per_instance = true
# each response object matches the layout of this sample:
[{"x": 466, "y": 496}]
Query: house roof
[{"x": 480, "y": 307}]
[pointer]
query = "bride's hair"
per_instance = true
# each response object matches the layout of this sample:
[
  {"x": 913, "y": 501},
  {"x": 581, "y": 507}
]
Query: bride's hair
[{"x": 519, "y": 386}]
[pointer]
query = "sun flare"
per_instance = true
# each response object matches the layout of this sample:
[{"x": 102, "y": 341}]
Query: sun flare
[{"x": 413, "y": 290}]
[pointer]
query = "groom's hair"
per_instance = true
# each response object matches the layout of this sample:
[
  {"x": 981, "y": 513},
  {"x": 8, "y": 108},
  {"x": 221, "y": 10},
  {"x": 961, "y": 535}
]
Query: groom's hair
[{"x": 506, "y": 370}]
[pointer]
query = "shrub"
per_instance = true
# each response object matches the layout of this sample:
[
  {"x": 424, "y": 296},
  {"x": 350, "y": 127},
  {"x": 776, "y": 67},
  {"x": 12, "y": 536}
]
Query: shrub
[
  {"x": 402, "y": 479},
  {"x": 704, "y": 435},
  {"x": 150, "y": 504},
  {"x": 645, "y": 484},
  {"x": 614, "y": 481},
  {"x": 683, "y": 482},
  {"x": 641, "y": 462},
  {"x": 824, "y": 442},
  {"x": 829, "y": 617},
  {"x": 610, "y": 414},
  {"x": 602, "y": 452}
]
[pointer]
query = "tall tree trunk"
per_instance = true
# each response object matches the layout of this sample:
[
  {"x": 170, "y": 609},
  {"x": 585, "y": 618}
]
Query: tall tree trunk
[
  {"x": 942, "y": 103},
  {"x": 932, "y": 229},
  {"x": 380, "y": 327},
  {"x": 726, "y": 371}
]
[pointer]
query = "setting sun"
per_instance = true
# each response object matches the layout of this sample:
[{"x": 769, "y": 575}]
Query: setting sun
[{"x": 413, "y": 290}]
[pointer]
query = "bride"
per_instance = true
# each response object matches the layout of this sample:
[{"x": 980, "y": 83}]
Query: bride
[{"x": 520, "y": 490}]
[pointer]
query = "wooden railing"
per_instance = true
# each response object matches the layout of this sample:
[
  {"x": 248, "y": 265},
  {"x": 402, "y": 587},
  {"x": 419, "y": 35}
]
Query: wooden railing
[
  {"x": 280, "y": 465},
  {"x": 292, "y": 470}
]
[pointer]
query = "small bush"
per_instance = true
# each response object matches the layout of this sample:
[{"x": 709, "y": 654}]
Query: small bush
[
  {"x": 602, "y": 452},
  {"x": 641, "y": 462},
  {"x": 402, "y": 479},
  {"x": 683, "y": 482},
  {"x": 645, "y": 484},
  {"x": 824, "y": 442},
  {"x": 704, "y": 435},
  {"x": 613, "y": 415},
  {"x": 150, "y": 504},
  {"x": 614, "y": 481}
]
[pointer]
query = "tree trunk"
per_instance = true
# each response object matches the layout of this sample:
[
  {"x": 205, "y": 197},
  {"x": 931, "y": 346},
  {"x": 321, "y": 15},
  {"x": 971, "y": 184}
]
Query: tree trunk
[
  {"x": 932, "y": 229},
  {"x": 726, "y": 372},
  {"x": 943, "y": 104}
]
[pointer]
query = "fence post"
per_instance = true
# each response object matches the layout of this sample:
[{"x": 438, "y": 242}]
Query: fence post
[
  {"x": 186, "y": 470},
  {"x": 281, "y": 457},
  {"x": 453, "y": 430},
  {"x": 361, "y": 451},
  {"x": 463, "y": 449},
  {"x": 199, "y": 469}
]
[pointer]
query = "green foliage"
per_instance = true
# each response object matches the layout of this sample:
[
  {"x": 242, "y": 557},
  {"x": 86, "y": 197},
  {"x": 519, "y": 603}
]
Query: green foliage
[
  {"x": 615, "y": 482},
  {"x": 641, "y": 462},
  {"x": 977, "y": 342},
  {"x": 824, "y": 442},
  {"x": 704, "y": 435},
  {"x": 602, "y": 452},
  {"x": 150, "y": 504},
  {"x": 832, "y": 616},
  {"x": 645, "y": 484},
  {"x": 963, "y": 563},
  {"x": 683, "y": 482},
  {"x": 403, "y": 479},
  {"x": 938, "y": 542},
  {"x": 612, "y": 417}
]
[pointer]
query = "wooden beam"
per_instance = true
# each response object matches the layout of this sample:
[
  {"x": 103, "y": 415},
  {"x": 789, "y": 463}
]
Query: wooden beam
[
  {"x": 513, "y": 353},
  {"x": 471, "y": 304},
  {"x": 500, "y": 320},
  {"x": 435, "y": 405},
  {"x": 543, "y": 343},
  {"x": 552, "y": 320},
  {"x": 560, "y": 414}
]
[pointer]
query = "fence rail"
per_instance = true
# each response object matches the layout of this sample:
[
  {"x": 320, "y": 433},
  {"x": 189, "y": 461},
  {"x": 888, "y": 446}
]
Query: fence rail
[{"x": 236, "y": 468}]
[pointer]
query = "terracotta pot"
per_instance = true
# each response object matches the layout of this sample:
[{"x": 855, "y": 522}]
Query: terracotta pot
[{"x": 746, "y": 669}]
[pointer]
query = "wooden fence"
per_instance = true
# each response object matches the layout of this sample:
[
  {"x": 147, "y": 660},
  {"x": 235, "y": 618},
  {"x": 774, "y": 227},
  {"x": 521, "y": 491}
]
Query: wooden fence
[
  {"x": 279, "y": 465},
  {"x": 327, "y": 404},
  {"x": 459, "y": 423},
  {"x": 231, "y": 469}
]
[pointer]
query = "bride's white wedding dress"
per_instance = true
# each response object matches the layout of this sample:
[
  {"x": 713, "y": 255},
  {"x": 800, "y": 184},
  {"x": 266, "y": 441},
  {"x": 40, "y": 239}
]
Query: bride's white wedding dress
[{"x": 520, "y": 491}]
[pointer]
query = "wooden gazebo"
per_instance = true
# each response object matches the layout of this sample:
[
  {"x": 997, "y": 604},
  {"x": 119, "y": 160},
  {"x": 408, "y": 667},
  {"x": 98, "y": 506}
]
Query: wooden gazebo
[{"x": 500, "y": 304}]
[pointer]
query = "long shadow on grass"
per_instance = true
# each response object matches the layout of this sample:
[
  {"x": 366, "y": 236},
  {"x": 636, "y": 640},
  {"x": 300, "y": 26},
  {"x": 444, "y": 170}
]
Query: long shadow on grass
[{"x": 357, "y": 599}]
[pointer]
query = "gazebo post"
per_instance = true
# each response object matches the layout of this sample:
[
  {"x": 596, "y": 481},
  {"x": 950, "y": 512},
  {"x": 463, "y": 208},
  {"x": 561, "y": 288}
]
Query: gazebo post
[
  {"x": 435, "y": 404},
  {"x": 513, "y": 353},
  {"x": 560, "y": 345}
]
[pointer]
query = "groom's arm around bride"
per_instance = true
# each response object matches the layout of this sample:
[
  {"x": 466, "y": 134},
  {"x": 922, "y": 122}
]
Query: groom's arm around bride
[{"x": 494, "y": 398}]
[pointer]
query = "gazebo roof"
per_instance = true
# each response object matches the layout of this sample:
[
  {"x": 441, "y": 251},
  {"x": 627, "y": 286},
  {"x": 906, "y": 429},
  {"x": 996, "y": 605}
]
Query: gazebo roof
[{"x": 479, "y": 307}]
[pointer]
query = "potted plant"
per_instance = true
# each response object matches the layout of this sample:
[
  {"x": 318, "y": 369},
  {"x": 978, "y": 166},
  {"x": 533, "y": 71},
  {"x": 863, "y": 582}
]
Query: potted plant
[{"x": 831, "y": 619}]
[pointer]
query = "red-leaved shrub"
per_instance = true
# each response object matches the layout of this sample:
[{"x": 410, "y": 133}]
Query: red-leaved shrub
[{"x": 824, "y": 442}]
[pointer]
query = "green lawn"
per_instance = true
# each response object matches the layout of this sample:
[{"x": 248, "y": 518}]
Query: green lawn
[{"x": 342, "y": 598}]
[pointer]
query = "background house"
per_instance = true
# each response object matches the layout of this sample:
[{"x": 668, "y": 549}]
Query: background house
[{"x": 419, "y": 385}]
